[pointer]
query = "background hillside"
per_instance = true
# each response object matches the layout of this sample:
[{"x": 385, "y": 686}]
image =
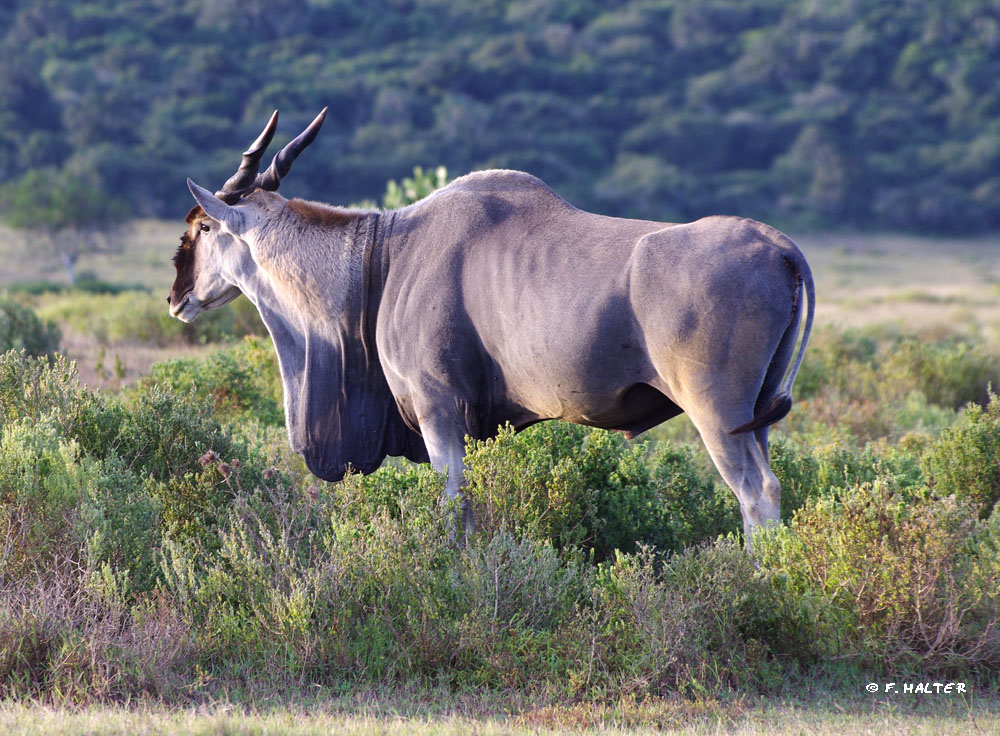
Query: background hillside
[{"x": 865, "y": 113}]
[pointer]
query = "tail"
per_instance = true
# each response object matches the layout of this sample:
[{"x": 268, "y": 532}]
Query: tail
[{"x": 781, "y": 402}]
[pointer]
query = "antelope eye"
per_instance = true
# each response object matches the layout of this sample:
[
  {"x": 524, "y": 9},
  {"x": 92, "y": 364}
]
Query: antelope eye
[{"x": 205, "y": 228}]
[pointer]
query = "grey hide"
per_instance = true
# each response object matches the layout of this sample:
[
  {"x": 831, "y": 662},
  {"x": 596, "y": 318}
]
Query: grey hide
[{"x": 493, "y": 301}]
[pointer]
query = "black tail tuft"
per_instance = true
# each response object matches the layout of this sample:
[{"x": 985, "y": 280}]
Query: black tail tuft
[{"x": 775, "y": 410}]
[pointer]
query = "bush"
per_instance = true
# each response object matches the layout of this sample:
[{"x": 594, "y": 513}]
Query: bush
[
  {"x": 40, "y": 479},
  {"x": 514, "y": 595},
  {"x": 857, "y": 386},
  {"x": 160, "y": 544},
  {"x": 71, "y": 636},
  {"x": 299, "y": 589},
  {"x": 103, "y": 479},
  {"x": 949, "y": 373},
  {"x": 21, "y": 329},
  {"x": 140, "y": 317},
  {"x": 31, "y": 388},
  {"x": 686, "y": 624},
  {"x": 965, "y": 460},
  {"x": 241, "y": 382},
  {"x": 837, "y": 359},
  {"x": 696, "y": 509},
  {"x": 591, "y": 488},
  {"x": 899, "y": 580},
  {"x": 823, "y": 471},
  {"x": 413, "y": 189}
]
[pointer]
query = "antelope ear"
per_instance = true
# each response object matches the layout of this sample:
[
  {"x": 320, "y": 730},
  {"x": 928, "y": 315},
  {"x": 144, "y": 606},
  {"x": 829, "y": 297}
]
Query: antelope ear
[{"x": 229, "y": 217}]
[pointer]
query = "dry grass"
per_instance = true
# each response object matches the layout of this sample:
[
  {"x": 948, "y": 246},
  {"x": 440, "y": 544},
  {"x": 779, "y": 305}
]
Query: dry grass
[
  {"x": 144, "y": 259},
  {"x": 929, "y": 285},
  {"x": 390, "y": 717},
  {"x": 111, "y": 368}
]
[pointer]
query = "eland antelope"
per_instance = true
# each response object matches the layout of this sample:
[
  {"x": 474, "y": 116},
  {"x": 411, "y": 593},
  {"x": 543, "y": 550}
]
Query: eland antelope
[{"x": 492, "y": 301}]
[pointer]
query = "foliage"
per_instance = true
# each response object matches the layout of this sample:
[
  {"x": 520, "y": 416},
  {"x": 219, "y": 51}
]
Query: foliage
[
  {"x": 965, "y": 460},
  {"x": 413, "y": 189},
  {"x": 57, "y": 201},
  {"x": 66, "y": 213},
  {"x": 150, "y": 550},
  {"x": 591, "y": 488},
  {"x": 878, "y": 384},
  {"x": 139, "y": 317},
  {"x": 949, "y": 371},
  {"x": 824, "y": 471},
  {"x": 656, "y": 629},
  {"x": 88, "y": 478},
  {"x": 242, "y": 382},
  {"x": 924, "y": 598},
  {"x": 878, "y": 114},
  {"x": 20, "y": 328},
  {"x": 74, "y": 637}
]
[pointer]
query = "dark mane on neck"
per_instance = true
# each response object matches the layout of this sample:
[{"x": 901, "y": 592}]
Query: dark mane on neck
[{"x": 324, "y": 214}]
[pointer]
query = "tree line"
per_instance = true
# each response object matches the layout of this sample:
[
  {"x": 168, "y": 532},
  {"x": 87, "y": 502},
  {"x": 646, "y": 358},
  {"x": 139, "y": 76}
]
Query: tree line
[{"x": 856, "y": 113}]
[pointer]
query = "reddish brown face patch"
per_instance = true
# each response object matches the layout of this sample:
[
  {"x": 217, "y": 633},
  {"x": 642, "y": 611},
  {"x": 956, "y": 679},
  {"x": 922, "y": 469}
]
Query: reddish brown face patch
[
  {"x": 184, "y": 257},
  {"x": 193, "y": 214}
]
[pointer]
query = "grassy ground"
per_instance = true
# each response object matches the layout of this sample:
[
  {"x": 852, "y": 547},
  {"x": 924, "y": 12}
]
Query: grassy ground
[
  {"x": 824, "y": 716},
  {"x": 922, "y": 284},
  {"x": 143, "y": 261}
]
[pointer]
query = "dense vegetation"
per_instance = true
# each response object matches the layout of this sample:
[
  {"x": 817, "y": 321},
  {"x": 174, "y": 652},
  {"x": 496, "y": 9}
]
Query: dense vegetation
[
  {"x": 867, "y": 113},
  {"x": 20, "y": 328},
  {"x": 163, "y": 542}
]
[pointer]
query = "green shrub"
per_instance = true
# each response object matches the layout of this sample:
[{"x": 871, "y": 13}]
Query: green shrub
[
  {"x": 21, "y": 329},
  {"x": 85, "y": 281},
  {"x": 823, "y": 471},
  {"x": 514, "y": 595},
  {"x": 965, "y": 460},
  {"x": 837, "y": 359},
  {"x": 949, "y": 373},
  {"x": 413, "y": 188},
  {"x": 114, "y": 318},
  {"x": 696, "y": 508},
  {"x": 582, "y": 487},
  {"x": 102, "y": 479},
  {"x": 41, "y": 480},
  {"x": 68, "y": 635},
  {"x": 364, "y": 583},
  {"x": 242, "y": 382},
  {"x": 161, "y": 544},
  {"x": 896, "y": 579},
  {"x": 685, "y": 624},
  {"x": 121, "y": 520},
  {"x": 141, "y": 317},
  {"x": 857, "y": 386},
  {"x": 298, "y": 589},
  {"x": 407, "y": 490},
  {"x": 31, "y": 388}
]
